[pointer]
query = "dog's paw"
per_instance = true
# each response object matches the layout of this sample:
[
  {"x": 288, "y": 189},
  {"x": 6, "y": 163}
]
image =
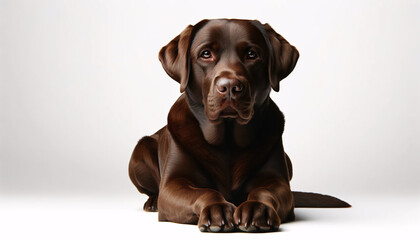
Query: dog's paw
[
  {"x": 151, "y": 204},
  {"x": 217, "y": 218},
  {"x": 254, "y": 216}
]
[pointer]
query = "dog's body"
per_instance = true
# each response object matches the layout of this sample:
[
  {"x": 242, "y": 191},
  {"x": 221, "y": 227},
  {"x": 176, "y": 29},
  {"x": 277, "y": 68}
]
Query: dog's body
[{"x": 220, "y": 160}]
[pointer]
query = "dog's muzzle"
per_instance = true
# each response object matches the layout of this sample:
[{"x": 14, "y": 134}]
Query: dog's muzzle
[{"x": 229, "y": 98}]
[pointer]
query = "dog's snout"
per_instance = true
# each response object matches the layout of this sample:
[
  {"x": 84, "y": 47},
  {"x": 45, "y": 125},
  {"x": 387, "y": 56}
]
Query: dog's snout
[{"x": 229, "y": 87}]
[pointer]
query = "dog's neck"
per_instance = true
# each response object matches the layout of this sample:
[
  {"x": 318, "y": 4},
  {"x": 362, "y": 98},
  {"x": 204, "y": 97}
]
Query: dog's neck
[{"x": 226, "y": 132}]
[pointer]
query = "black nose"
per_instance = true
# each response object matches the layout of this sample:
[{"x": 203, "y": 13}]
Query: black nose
[{"x": 229, "y": 87}]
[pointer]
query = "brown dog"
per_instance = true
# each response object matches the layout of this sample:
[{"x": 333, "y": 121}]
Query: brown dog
[{"x": 220, "y": 160}]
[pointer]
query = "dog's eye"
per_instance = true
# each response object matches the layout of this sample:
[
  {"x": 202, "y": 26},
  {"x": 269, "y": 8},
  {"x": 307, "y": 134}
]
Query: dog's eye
[
  {"x": 251, "y": 54},
  {"x": 206, "y": 54}
]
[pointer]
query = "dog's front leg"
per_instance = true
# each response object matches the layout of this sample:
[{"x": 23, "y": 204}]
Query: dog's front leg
[
  {"x": 180, "y": 201},
  {"x": 270, "y": 200},
  {"x": 266, "y": 207}
]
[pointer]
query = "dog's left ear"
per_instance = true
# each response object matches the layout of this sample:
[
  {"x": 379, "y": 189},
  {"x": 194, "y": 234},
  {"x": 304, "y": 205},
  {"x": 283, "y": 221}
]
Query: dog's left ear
[
  {"x": 175, "y": 56},
  {"x": 283, "y": 57}
]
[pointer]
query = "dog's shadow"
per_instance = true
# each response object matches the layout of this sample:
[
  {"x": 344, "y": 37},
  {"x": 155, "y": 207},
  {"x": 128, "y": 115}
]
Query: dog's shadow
[{"x": 301, "y": 217}]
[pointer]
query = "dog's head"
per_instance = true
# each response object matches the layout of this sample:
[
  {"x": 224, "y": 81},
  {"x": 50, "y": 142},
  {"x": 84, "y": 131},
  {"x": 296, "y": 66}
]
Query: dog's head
[{"x": 228, "y": 66}]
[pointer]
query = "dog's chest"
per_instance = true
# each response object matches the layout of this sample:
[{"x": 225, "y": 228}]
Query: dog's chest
[{"x": 231, "y": 167}]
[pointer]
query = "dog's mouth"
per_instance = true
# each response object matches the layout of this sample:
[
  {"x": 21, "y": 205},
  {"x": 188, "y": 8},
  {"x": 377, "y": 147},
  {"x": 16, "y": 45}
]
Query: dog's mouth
[
  {"x": 229, "y": 112},
  {"x": 219, "y": 107}
]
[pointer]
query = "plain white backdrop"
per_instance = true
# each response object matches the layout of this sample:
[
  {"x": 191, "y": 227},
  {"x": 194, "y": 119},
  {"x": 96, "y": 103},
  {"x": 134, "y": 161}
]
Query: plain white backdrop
[{"x": 80, "y": 83}]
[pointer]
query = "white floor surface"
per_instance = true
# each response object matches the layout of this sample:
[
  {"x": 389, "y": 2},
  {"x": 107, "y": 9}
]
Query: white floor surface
[{"x": 104, "y": 217}]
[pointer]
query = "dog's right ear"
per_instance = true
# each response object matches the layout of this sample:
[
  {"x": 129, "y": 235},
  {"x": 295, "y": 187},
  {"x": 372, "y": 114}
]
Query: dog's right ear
[{"x": 175, "y": 56}]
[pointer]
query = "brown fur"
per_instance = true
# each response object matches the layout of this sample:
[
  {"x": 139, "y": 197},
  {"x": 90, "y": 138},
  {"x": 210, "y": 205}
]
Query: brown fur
[{"x": 220, "y": 162}]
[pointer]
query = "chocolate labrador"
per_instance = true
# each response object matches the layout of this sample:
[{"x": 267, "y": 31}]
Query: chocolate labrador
[{"x": 219, "y": 162}]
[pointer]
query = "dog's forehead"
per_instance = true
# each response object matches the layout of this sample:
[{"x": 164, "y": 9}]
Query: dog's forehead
[{"x": 230, "y": 31}]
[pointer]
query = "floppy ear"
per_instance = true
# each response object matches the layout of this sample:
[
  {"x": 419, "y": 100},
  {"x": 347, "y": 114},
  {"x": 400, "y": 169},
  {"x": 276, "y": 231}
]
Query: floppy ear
[
  {"x": 283, "y": 57},
  {"x": 175, "y": 57}
]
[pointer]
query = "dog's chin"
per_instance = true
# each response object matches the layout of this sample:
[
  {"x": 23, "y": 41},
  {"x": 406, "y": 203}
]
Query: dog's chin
[{"x": 230, "y": 114}]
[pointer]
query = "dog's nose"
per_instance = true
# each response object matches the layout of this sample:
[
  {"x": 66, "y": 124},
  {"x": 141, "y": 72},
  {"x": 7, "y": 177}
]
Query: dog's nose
[{"x": 229, "y": 87}]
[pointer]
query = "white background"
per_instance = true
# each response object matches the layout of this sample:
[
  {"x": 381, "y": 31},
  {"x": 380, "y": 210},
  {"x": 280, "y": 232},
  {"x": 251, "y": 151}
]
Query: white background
[{"x": 80, "y": 83}]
